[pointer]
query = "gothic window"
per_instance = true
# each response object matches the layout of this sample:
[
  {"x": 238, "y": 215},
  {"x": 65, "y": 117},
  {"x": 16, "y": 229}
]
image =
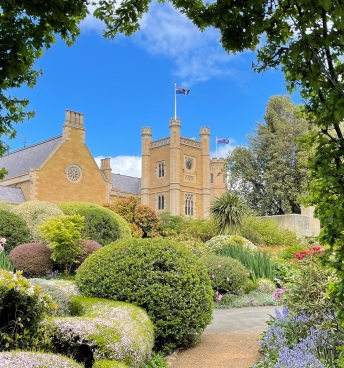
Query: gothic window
[
  {"x": 161, "y": 202},
  {"x": 211, "y": 178},
  {"x": 189, "y": 205},
  {"x": 161, "y": 169}
]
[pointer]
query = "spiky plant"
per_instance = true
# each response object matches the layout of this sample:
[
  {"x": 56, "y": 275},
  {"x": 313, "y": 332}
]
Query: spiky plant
[{"x": 228, "y": 212}]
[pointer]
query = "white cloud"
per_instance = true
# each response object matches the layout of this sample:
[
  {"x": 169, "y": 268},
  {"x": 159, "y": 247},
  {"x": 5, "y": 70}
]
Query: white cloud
[
  {"x": 196, "y": 56},
  {"x": 125, "y": 165},
  {"x": 223, "y": 149}
]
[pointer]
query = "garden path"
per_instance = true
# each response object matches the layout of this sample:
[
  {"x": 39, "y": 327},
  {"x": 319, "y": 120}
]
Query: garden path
[{"x": 230, "y": 341}]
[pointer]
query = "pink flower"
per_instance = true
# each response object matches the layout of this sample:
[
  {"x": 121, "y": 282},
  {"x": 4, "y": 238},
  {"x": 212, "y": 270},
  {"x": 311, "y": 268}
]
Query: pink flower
[
  {"x": 1, "y": 248},
  {"x": 250, "y": 299},
  {"x": 234, "y": 260},
  {"x": 216, "y": 292},
  {"x": 219, "y": 297},
  {"x": 3, "y": 240},
  {"x": 227, "y": 278},
  {"x": 218, "y": 266},
  {"x": 212, "y": 276}
]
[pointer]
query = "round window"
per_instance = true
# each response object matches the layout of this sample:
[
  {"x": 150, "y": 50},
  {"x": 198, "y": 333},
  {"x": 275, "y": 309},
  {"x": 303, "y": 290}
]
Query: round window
[{"x": 74, "y": 173}]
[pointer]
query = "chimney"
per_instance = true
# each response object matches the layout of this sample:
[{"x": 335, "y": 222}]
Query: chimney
[
  {"x": 106, "y": 168},
  {"x": 73, "y": 127}
]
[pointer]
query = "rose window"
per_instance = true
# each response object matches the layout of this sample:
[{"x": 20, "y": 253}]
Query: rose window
[{"x": 74, "y": 173}]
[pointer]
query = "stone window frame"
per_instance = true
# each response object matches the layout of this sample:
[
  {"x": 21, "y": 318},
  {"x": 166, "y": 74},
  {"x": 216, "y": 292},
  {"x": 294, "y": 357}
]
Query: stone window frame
[
  {"x": 74, "y": 173},
  {"x": 160, "y": 169},
  {"x": 160, "y": 202},
  {"x": 189, "y": 204}
]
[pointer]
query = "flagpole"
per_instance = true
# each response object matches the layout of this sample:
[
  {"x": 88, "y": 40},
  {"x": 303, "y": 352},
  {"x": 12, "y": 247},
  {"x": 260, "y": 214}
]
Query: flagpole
[
  {"x": 216, "y": 148},
  {"x": 175, "y": 102}
]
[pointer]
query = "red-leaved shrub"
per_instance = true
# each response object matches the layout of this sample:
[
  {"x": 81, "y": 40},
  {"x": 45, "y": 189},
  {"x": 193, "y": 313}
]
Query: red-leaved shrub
[
  {"x": 88, "y": 247},
  {"x": 33, "y": 259}
]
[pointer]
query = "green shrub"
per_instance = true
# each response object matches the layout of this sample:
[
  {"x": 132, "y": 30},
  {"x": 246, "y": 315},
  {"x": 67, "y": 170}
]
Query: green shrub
[
  {"x": 6, "y": 206},
  {"x": 266, "y": 231},
  {"x": 198, "y": 229},
  {"x": 248, "y": 286},
  {"x": 61, "y": 293},
  {"x": 157, "y": 361},
  {"x": 259, "y": 263},
  {"x": 171, "y": 222},
  {"x": 108, "y": 364},
  {"x": 284, "y": 270},
  {"x": 23, "y": 306},
  {"x": 227, "y": 275},
  {"x": 108, "y": 330},
  {"x": 5, "y": 263},
  {"x": 33, "y": 259},
  {"x": 218, "y": 243},
  {"x": 13, "y": 228},
  {"x": 288, "y": 253},
  {"x": 21, "y": 359},
  {"x": 162, "y": 277},
  {"x": 101, "y": 224},
  {"x": 35, "y": 213},
  {"x": 265, "y": 286},
  {"x": 63, "y": 235}
]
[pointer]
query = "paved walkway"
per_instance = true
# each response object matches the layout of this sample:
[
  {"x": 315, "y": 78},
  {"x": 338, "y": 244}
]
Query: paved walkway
[{"x": 230, "y": 341}]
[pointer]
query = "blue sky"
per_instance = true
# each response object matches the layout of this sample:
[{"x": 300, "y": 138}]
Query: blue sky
[{"x": 128, "y": 83}]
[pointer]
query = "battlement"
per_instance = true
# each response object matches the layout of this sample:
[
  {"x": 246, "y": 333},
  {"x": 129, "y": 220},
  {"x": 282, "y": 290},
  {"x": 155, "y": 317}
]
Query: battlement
[
  {"x": 146, "y": 131},
  {"x": 204, "y": 131}
]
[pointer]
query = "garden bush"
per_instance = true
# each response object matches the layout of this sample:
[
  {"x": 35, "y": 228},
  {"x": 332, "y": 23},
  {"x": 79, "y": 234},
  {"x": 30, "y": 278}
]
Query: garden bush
[
  {"x": 288, "y": 252},
  {"x": 265, "y": 231},
  {"x": 101, "y": 224},
  {"x": 33, "y": 259},
  {"x": 29, "y": 359},
  {"x": 13, "y": 228},
  {"x": 218, "y": 243},
  {"x": 227, "y": 275},
  {"x": 87, "y": 247},
  {"x": 22, "y": 307},
  {"x": 252, "y": 299},
  {"x": 164, "y": 278},
  {"x": 64, "y": 237},
  {"x": 61, "y": 292},
  {"x": 35, "y": 213},
  {"x": 5, "y": 263},
  {"x": 108, "y": 364},
  {"x": 265, "y": 286},
  {"x": 108, "y": 330}
]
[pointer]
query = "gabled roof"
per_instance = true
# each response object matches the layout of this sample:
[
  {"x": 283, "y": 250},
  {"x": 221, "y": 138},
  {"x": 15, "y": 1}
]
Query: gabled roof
[
  {"x": 32, "y": 157},
  {"x": 11, "y": 195},
  {"x": 125, "y": 183}
]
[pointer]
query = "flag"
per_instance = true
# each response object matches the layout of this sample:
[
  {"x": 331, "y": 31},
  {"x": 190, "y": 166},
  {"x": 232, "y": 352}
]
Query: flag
[
  {"x": 222, "y": 140},
  {"x": 182, "y": 91}
]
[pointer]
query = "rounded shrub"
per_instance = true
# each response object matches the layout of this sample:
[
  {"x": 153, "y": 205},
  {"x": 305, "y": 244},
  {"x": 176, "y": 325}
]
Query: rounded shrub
[
  {"x": 101, "y": 224},
  {"x": 265, "y": 286},
  {"x": 163, "y": 277},
  {"x": 23, "y": 306},
  {"x": 108, "y": 330},
  {"x": 88, "y": 247},
  {"x": 35, "y": 213},
  {"x": 13, "y": 228},
  {"x": 227, "y": 275},
  {"x": 33, "y": 259},
  {"x": 108, "y": 364},
  {"x": 20, "y": 359},
  {"x": 218, "y": 243}
]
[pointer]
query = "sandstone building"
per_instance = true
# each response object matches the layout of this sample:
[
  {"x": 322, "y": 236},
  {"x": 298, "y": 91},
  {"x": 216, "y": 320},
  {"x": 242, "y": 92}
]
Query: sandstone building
[{"x": 177, "y": 173}]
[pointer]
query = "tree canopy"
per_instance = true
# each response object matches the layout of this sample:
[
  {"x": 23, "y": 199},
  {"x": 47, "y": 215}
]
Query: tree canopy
[
  {"x": 271, "y": 172},
  {"x": 27, "y": 28}
]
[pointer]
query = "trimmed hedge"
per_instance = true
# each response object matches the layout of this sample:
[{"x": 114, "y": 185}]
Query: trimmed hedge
[
  {"x": 35, "y": 213},
  {"x": 33, "y": 259},
  {"x": 88, "y": 247},
  {"x": 218, "y": 243},
  {"x": 101, "y": 224},
  {"x": 22, "y": 359},
  {"x": 162, "y": 277},
  {"x": 108, "y": 330},
  {"x": 13, "y": 228},
  {"x": 227, "y": 275}
]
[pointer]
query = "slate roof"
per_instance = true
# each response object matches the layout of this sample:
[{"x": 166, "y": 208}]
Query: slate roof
[
  {"x": 126, "y": 183},
  {"x": 11, "y": 195},
  {"x": 32, "y": 157}
]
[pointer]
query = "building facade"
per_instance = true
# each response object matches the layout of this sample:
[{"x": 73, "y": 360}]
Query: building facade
[{"x": 177, "y": 173}]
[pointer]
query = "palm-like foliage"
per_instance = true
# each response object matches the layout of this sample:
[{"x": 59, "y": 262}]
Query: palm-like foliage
[{"x": 228, "y": 212}]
